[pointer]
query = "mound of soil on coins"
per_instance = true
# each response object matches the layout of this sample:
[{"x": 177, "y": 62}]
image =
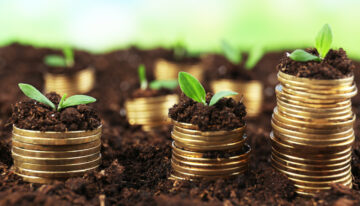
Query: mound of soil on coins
[
  {"x": 226, "y": 114},
  {"x": 336, "y": 65},
  {"x": 33, "y": 115}
]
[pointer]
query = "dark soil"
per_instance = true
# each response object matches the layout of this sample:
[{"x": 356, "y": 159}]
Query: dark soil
[
  {"x": 33, "y": 115},
  {"x": 135, "y": 164},
  {"x": 336, "y": 65},
  {"x": 226, "y": 114},
  {"x": 218, "y": 67},
  {"x": 151, "y": 93}
]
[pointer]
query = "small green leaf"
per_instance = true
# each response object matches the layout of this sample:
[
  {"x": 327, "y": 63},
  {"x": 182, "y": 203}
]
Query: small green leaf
[
  {"x": 192, "y": 87},
  {"x": 69, "y": 56},
  {"x": 142, "y": 77},
  {"x": 221, "y": 95},
  {"x": 323, "y": 40},
  {"x": 60, "y": 106},
  {"x": 77, "y": 100},
  {"x": 254, "y": 56},
  {"x": 300, "y": 55},
  {"x": 167, "y": 84},
  {"x": 232, "y": 54},
  {"x": 35, "y": 94},
  {"x": 55, "y": 61}
]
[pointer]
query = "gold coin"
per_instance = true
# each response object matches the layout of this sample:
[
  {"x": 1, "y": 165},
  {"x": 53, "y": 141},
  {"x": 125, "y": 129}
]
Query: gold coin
[
  {"x": 313, "y": 105},
  {"x": 319, "y": 172},
  {"x": 56, "y": 135},
  {"x": 311, "y": 167},
  {"x": 56, "y": 154},
  {"x": 315, "y": 178},
  {"x": 55, "y": 161},
  {"x": 191, "y": 176},
  {"x": 40, "y": 180},
  {"x": 53, "y": 174},
  {"x": 55, "y": 148},
  {"x": 65, "y": 167},
  {"x": 320, "y": 159},
  {"x": 337, "y": 109},
  {"x": 54, "y": 141}
]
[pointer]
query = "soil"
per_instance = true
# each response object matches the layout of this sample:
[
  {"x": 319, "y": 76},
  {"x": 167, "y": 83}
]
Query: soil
[
  {"x": 82, "y": 60},
  {"x": 226, "y": 114},
  {"x": 151, "y": 93},
  {"x": 33, "y": 115},
  {"x": 219, "y": 67},
  {"x": 135, "y": 164},
  {"x": 186, "y": 59},
  {"x": 335, "y": 65}
]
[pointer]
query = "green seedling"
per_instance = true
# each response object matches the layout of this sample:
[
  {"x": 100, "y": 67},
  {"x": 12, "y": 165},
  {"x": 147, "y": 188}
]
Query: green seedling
[
  {"x": 193, "y": 89},
  {"x": 67, "y": 60},
  {"x": 179, "y": 51},
  {"x": 31, "y": 92},
  {"x": 234, "y": 55},
  {"x": 157, "y": 84},
  {"x": 323, "y": 42}
]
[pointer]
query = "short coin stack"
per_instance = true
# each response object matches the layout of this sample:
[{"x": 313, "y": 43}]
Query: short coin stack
[
  {"x": 195, "y": 154},
  {"x": 252, "y": 91},
  {"x": 80, "y": 82},
  {"x": 150, "y": 112},
  {"x": 313, "y": 131},
  {"x": 43, "y": 157},
  {"x": 166, "y": 70}
]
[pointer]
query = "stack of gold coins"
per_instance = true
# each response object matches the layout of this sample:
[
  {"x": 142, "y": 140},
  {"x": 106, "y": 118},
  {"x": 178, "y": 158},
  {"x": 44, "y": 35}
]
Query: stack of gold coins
[
  {"x": 166, "y": 70},
  {"x": 78, "y": 83},
  {"x": 313, "y": 131},
  {"x": 44, "y": 157},
  {"x": 252, "y": 92},
  {"x": 150, "y": 112},
  {"x": 210, "y": 154}
]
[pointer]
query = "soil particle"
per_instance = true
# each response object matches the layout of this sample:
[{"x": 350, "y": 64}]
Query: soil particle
[
  {"x": 151, "y": 93},
  {"x": 32, "y": 115},
  {"x": 226, "y": 114},
  {"x": 336, "y": 65}
]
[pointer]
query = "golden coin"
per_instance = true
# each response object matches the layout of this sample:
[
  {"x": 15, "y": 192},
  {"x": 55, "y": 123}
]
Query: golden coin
[
  {"x": 65, "y": 167},
  {"x": 53, "y": 174},
  {"x": 57, "y": 147},
  {"x": 54, "y": 141},
  {"x": 56, "y": 154},
  {"x": 40, "y": 180},
  {"x": 55, "y": 161},
  {"x": 56, "y": 135},
  {"x": 191, "y": 176}
]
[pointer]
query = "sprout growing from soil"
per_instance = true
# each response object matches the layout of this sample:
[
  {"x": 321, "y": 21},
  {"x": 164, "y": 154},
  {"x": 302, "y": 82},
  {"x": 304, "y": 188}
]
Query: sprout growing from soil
[
  {"x": 193, "y": 89},
  {"x": 323, "y": 42},
  {"x": 179, "y": 51},
  {"x": 234, "y": 55},
  {"x": 67, "y": 60},
  {"x": 31, "y": 92},
  {"x": 157, "y": 84}
]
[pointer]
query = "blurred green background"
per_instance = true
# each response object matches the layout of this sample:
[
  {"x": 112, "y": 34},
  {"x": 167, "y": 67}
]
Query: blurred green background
[{"x": 106, "y": 25}]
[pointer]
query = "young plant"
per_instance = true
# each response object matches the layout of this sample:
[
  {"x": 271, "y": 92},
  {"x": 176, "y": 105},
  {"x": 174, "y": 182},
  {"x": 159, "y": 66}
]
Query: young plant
[
  {"x": 74, "y": 100},
  {"x": 193, "y": 89},
  {"x": 157, "y": 84},
  {"x": 231, "y": 53},
  {"x": 323, "y": 42},
  {"x": 67, "y": 60},
  {"x": 179, "y": 50},
  {"x": 234, "y": 55}
]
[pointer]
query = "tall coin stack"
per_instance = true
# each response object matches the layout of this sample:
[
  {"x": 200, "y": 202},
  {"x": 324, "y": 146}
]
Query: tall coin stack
[
  {"x": 313, "y": 131},
  {"x": 43, "y": 157},
  {"x": 191, "y": 152}
]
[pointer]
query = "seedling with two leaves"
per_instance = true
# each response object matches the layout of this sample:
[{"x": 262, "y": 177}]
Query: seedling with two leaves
[
  {"x": 31, "y": 92},
  {"x": 67, "y": 60},
  {"x": 234, "y": 55},
  {"x": 193, "y": 89},
  {"x": 157, "y": 84},
  {"x": 322, "y": 44}
]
